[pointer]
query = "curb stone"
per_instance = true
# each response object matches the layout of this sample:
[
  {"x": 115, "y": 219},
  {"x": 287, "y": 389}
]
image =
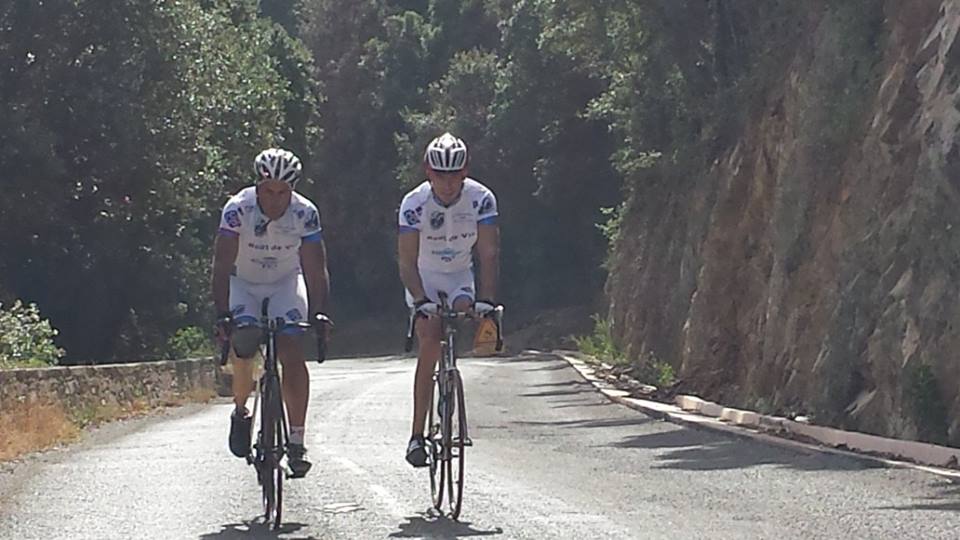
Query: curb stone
[{"x": 695, "y": 412}]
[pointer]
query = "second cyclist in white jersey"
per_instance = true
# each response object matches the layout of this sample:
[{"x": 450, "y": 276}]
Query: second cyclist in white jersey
[{"x": 443, "y": 223}]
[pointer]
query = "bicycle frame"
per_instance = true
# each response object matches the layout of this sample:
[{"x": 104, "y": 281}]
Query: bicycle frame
[
  {"x": 273, "y": 435},
  {"x": 447, "y": 371},
  {"x": 446, "y": 444}
]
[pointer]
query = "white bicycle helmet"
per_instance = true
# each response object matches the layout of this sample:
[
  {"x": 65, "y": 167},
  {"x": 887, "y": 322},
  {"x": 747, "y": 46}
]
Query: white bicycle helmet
[
  {"x": 446, "y": 153},
  {"x": 278, "y": 164}
]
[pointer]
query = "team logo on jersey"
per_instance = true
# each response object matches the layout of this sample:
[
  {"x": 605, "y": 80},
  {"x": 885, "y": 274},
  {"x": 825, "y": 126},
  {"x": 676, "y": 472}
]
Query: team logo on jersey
[
  {"x": 232, "y": 218},
  {"x": 313, "y": 222},
  {"x": 447, "y": 254},
  {"x": 267, "y": 263},
  {"x": 260, "y": 228},
  {"x": 486, "y": 206},
  {"x": 437, "y": 219},
  {"x": 411, "y": 217}
]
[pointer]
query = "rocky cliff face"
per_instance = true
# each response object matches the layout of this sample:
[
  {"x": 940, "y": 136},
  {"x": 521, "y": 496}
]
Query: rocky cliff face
[{"x": 816, "y": 266}]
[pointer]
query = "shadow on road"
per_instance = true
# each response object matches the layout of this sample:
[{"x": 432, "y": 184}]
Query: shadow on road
[
  {"x": 551, "y": 365},
  {"x": 580, "y": 404},
  {"x": 256, "y": 528},
  {"x": 948, "y": 500},
  {"x": 565, "y": 384},
  {"x": 572, "y": 392},
  {"x": 681, "y": 448},
  {"x": 703, "y": 451},
  {"x": 590, "y": 423},
  {"x": 433, "y": 525}
]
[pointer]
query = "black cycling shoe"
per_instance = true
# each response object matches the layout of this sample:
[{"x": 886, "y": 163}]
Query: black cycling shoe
[
  {"x": 417, "y": 452},
  {"x": 240, "y": 433},
  {"x": 297, "y": 460}
]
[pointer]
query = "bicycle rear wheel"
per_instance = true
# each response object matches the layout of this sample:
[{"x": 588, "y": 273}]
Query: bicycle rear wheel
[
  {"x": 457, "y": 435},
  {"x": 435, "y": 447}
]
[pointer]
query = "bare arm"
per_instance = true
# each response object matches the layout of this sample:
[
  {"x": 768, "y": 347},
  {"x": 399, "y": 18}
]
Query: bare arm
[
  {"x": 225, "y": 250},
  {"x": 408, "y": 250},
  {"x": 488, "y": 253},
  {"x": 313, "y": 261}
]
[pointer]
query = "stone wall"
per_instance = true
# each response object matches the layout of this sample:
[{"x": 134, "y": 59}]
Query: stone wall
[{"x": 77, "y": 387}]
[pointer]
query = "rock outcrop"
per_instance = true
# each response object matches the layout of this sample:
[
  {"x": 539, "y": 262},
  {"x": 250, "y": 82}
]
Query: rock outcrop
[{"x": 816, "y": 267}]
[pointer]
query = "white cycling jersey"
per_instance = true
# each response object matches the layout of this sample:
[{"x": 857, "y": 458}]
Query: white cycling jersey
[
  {"x": 269, "y": 250},
  {"x": 447, "y": 232}
]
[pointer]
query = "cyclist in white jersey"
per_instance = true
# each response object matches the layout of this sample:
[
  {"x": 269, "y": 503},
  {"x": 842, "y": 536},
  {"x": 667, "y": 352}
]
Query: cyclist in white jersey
[
  {"x": 270, "y": 246},
  {"x": 443, "y": 222}
]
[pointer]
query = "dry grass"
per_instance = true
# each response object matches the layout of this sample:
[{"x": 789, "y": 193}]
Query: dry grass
[
  {"x": 31, "y": 426},
  {"x": 194, "y": 395},
  {"x": 28, "y": 426}
]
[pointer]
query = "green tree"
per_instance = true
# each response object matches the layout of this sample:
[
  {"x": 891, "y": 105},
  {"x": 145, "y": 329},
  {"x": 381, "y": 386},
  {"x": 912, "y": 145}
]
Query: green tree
[{"x": 127, "y": 121}]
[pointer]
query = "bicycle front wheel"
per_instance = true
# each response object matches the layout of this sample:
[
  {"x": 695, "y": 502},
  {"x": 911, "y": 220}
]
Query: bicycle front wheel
[
  {"x": 271, "y": 435},
  {"x": 457, "y": 414},
  {"x": 435, "y": 447},
  {"x": 278, "y": 471}
]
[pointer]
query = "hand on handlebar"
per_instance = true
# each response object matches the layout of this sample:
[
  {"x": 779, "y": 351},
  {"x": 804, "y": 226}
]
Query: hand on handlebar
[
  {"x": 426, "y": 308},
  {"x": 320, "y": 320},
  {"x": 483, "y": 307},
  {"x": 223, "y": 327}
]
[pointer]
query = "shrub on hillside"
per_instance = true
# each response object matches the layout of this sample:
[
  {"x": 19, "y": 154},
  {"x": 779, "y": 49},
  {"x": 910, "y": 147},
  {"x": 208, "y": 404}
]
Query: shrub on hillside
[{"x": 26, "y": 340}]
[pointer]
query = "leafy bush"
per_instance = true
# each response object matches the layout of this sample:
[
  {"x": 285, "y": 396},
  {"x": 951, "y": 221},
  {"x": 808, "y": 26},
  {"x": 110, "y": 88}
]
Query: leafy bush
[
  {"x": 26, "y": 340},
  {"x": 189, "y": 342},
  {"x": 600, "y": 344},
  {"x": 922, "y": 394},
  {"x": 656, "y": 372}
]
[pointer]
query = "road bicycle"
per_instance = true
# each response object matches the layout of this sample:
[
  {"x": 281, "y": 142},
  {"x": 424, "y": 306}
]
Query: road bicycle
[
  {"x": 447, "y": 436},
  {"x": 272, "y": 437}
]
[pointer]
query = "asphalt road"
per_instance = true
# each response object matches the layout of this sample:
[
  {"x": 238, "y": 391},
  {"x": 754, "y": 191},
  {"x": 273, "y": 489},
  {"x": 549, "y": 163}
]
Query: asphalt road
[{"x": 552, "y": 458}]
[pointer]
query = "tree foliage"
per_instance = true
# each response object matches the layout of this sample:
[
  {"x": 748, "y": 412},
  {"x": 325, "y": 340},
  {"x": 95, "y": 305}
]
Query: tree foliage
[
  {"x": 129, "y": 122},
  {"x": 126, "y": 121}
]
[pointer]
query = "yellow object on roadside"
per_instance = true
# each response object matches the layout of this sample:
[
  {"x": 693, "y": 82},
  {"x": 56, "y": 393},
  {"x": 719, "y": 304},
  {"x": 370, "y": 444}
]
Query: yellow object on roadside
[{"x": 485, "y": 339}]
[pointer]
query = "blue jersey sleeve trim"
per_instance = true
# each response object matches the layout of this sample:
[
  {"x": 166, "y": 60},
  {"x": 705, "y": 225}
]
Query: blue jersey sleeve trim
[
  {"x": 405, "y": 229},
  {"x": 492, "y": 220},
  {"x": 228, "y": 232},
  {"x": 315, "y": 237}
]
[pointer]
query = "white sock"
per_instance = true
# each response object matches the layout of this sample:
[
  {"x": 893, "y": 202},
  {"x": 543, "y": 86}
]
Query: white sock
[{"x": 296, "y": 434}]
